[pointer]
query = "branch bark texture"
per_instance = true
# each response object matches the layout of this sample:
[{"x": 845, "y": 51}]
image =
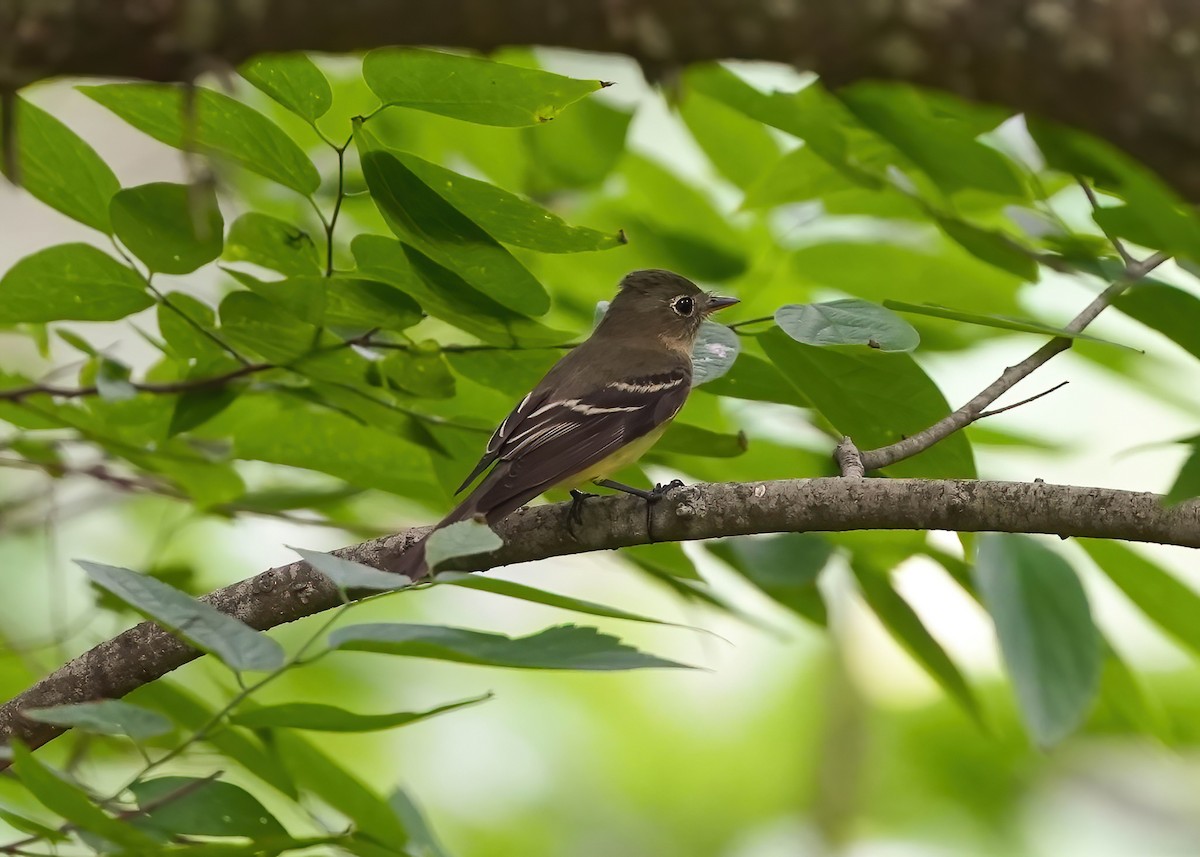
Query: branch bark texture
[
  {"x": 280, "y": 595},
  {"x": 1125, "y": 70}
]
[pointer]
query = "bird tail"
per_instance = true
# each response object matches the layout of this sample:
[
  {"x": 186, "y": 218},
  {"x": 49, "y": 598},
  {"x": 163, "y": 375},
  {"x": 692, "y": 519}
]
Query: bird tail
[
  {"x": 412, "y": 562},
  {"x": 491, "y": 498}
]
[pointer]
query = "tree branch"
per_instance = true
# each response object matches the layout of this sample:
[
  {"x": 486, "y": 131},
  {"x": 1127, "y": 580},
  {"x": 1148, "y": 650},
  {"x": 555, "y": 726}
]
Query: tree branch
[
  {"x": 1123, "y": 69},
  {"x": 873, "y": 459},
  {"x": 146, "y": 652},
  {"x": 16, "y": 394}
]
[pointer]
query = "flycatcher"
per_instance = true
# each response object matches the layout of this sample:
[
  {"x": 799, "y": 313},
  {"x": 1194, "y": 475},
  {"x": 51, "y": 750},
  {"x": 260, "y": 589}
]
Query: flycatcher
[{"x": 598, "y": 408}]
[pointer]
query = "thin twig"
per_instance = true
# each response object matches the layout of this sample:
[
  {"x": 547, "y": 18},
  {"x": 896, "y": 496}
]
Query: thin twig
[
  {"x": 1117, "y": 243},
  {"x": 454, "y": 348},
  {"x": 151, "y": 805},
  {"x": 739, "y": 324},
  {"x": 1022, "y": 402},
  {"x": 16, "y": 394},
  {"x": 875, "y": 459},
  {"x": 166, "y": 302},
  {"x": 197, "y": 326},
  {"x": 337, "y": 205}
]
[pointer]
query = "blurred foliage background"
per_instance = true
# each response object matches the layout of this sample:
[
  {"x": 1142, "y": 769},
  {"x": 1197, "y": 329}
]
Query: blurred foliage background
[{"x": 851, "y": 697}]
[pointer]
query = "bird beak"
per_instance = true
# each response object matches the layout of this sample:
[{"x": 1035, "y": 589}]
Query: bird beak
[{"x": 716, "y": 302}]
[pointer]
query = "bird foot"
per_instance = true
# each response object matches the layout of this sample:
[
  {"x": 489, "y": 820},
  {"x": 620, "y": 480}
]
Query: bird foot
[
  {"x": 660, "y": 490},
  {"x": 578, "y": 498},
  {"x": 575, "y": 513}
]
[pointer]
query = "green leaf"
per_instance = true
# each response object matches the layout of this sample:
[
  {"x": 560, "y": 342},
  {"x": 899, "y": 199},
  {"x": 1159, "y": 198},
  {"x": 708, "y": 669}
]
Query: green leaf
[
  {"x": 580, "y": 148},
  {"x": 1163, "y": 598},
  {"x": 59, "y": 168},
  {"x": 112, "y": 381},
  {"x": 447, "y": 296},
  {"x": 347, "y": 574},
  {"x": 508, "y": 218},
  {"x": 420, "y": 217},
  {"x": 202, "y": 808},
  {"x": 515, "y": 372},
  {"x": 674, "y": 221},
  {"x": 172, "y": 228},
  {"x": 755, "y": 379},
  {"x": 1004, "y": 322},
  {"x": 1158, "y": 215},
  {"x": 785, "y": 567},
  {"x": 421, "y": 836},
  {"x": 216, "y": 125},
  {"x": 287, "y": 498},
  {"x": 352, "y": 302},
  {"x": 31, "y": 827},
  {"x": 465, "y": 538},
  {"x": 874, "y": 397},
  {"x": 1122, "y": 694},
  {"x": 847, "y": 322},
  {"x": 512, "y": 589},
  {"x": 340, "y": 301},
  {"x": 235, "y": 643},
  {"x": 1171, "y": 311},
  {"x": 1187, "y": 483},
  {"x": 469, "y": 88},
  {"x": 252, "y": 323},
  {"x": 330, "y": 718},
  {"x": 71, "y": 802},
  {"x": 737, "y": 146},
  {"x": 910, "y": 632},
  {"x": 77, "y": 342},
  {"x": 185, "y": 337},
  {"x": 304, "y": 298},
  {"x": 799, "y": 176},
  {"x": 292, "y": 80},
  {"x": 208, "y": 483},
  {"x": 106, "y": 717},
  {"x": 272, "y": 243},
  {"x": 991, "y": 246},
  {"x": 1050, "y": 645},
  {"x": 811, "y": 114},
  {"x": 935, "y": 276},
  {"x": 565, "y": 647},
  {"x": 716, "y": 349},
  {"x": 196, "y": 407},
  {"x": 325, "y": 778},
  {"x": 693, "y": 440},
  {"x": 662, "y": 558},
  {"x": 944, "y": 148},
  {"x": 420, "y": 373},
  {"x": 70, "y": 282},
  {"x": 328, "y": 442},
  {"x": 242, "y": 747}
]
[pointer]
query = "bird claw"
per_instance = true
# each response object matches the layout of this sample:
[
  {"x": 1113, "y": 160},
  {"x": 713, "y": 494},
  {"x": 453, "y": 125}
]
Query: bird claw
[
  {"x": 660, "y": 490},
  {"x": 575, "y": 513}
]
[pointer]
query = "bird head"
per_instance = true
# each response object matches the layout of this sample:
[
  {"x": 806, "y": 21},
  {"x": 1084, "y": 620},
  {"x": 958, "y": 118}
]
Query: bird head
[{"x": 656, "y": 304}]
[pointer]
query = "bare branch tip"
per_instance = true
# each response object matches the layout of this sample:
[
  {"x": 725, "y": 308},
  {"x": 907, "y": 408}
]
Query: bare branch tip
[{"x": 993, "y": 413}]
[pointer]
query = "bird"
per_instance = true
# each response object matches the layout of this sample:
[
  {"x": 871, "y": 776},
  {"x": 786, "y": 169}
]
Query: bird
[{"x": 598, "y": 409}]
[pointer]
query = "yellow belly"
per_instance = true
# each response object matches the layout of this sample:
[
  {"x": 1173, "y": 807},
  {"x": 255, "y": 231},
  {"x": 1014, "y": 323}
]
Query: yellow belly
[{"x": 623, "y": 457}]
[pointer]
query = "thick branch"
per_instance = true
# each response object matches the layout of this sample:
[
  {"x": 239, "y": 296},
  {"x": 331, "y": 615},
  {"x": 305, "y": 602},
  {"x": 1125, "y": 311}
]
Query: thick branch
[
  {"x": 1124, "y": 70},
  {"x": 145, "y": 653}
]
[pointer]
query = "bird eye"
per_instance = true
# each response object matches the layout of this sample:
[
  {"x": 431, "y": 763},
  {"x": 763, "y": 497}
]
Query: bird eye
[{"x": 683, "y": 305}]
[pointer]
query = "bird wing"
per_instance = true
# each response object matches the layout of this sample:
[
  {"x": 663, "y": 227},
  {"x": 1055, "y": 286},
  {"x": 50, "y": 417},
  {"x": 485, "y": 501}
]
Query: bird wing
[{"x": 548, "y": 439}]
